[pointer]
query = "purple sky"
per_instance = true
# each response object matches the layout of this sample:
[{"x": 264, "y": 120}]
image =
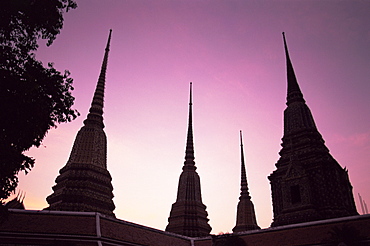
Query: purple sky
[{"x": 233, "y": 53}]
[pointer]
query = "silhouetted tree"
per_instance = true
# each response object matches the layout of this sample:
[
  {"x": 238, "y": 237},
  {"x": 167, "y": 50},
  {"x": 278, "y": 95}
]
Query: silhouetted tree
[{"x": 33, "y": 98}]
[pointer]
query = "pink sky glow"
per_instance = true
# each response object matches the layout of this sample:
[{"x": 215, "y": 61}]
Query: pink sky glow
[{"x": 233, "y": 53}]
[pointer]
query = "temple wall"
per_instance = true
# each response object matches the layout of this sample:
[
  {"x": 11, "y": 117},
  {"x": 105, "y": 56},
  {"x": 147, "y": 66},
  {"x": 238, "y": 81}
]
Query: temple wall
[{"x": 25, "y": 227}]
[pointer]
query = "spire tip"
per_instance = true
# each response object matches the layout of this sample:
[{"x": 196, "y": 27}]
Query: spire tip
[
  {"x": 285, "y": 45},
  {"x": 191, "y": 94},
  {"x": 294, "y": 92},
  {"x": 189, "y": 152}
]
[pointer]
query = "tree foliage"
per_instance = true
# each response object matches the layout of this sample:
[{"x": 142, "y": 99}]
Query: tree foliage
[{"x": 33, "y": 98}]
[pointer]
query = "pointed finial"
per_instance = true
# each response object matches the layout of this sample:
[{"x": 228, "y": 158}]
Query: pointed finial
[
  {"x": 294, "y": 92},
  {"x": 244, "y": 184},
  {"x": 241, "y": 138},
  {"x": 242, "y": 156},
  {"x": 109, "y": 37},
  {"x": 191, "y": 98},
  {"x": 241, "y": 148},
  {"x": 189, "y": 152},
  {"x": 95, "y": 116}
]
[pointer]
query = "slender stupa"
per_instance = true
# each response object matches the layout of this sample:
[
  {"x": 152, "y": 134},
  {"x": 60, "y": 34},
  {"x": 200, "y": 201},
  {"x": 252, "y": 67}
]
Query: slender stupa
[
  {"x": 188, "y": 215},
  {"x": 308, "y": 183},
  {"x": 84, "y": 183},
  {"x": 245, "y": 215}
]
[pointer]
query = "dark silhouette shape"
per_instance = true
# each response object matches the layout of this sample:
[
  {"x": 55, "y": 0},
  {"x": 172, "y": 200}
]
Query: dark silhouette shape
[
  {"x": 308, "y": 183},
  {"x": 245, "y": 216},
  {"x": 33, "y": 98},
  {"x": 84, "y": 183},
  {"x": 188, "y": 214}
]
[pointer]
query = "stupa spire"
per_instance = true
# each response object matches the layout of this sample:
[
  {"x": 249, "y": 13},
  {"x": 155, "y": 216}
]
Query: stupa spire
[
  {"x": 292, "y": 123},
  {"x": 244, "y": 184},
  {"x": 246, "y": 216},
  {"x": 189, "y": 151},
  {"x": 95, "y": 115},
  {"x": 84, "y": 183},
  {"x": 294, "y": 92},
  {"x": 308, "y": 183},
  {"x": 188, "y": 214}
]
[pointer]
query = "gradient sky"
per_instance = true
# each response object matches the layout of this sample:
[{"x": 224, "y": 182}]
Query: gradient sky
[{"x": 233, "y": 53}]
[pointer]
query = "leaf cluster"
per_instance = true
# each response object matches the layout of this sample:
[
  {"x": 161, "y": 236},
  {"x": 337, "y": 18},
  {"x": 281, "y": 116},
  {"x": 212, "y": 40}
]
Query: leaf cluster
[
  {"x": 33, "y": 98},
  {"x": 23, "y": 22}
]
